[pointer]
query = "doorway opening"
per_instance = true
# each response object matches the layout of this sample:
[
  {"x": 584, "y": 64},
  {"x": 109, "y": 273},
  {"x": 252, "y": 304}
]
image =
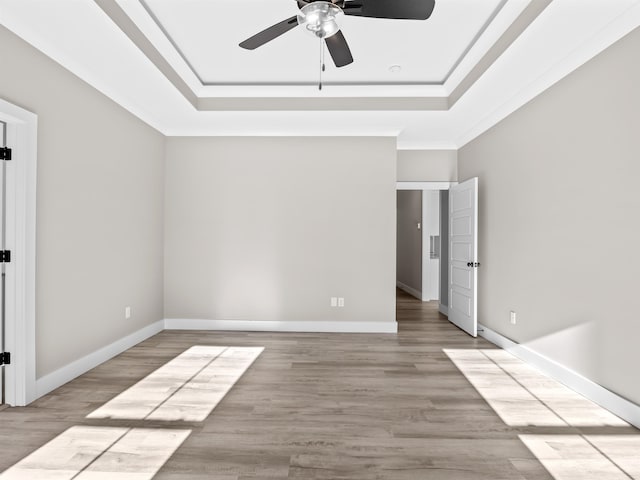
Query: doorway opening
[{"x": 421, "y": 241}]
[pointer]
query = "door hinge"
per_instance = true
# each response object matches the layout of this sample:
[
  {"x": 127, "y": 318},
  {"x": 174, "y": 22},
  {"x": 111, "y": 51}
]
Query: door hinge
[
  {"x": 5, "y": 153},
  {"x": 5, "y": 358},
  {"x": 5, "y": 256}
]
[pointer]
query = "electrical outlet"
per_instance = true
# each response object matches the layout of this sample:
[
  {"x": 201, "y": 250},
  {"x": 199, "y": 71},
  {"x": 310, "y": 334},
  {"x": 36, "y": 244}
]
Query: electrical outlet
[
  {"x": 334, "y": 301},
  {"x": 340, "y": 302},
  {"x": 127, "y": 312},
  {"x": 513, "y": 317}
]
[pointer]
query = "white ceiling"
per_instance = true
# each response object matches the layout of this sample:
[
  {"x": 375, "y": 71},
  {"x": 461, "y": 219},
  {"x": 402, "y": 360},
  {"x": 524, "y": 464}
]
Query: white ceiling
[{"x": 83, "y": 38}]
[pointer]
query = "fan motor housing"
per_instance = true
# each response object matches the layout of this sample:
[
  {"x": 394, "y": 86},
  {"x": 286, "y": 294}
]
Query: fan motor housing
[{"x": 319, "y": 18}]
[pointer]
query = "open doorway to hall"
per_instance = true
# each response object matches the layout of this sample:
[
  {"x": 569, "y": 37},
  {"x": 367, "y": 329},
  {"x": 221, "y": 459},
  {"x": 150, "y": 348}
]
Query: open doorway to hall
[{"x": 421, "y": 244}]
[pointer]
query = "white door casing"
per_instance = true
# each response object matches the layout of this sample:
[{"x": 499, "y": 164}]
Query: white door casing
[
  {"x": 22, "y": 137},
  {"x": 3, "y": 143},
  {"x": 463, "y": 252}
]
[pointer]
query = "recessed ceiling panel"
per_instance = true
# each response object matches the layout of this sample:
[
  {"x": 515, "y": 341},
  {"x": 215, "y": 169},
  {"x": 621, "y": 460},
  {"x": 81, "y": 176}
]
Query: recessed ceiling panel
[{"x": 207, "y": 34}]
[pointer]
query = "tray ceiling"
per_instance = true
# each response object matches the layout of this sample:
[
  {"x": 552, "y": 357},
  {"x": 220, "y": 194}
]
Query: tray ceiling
[
  {"x": 207, "y": 33},
  {"x": 470, "y": 65}
]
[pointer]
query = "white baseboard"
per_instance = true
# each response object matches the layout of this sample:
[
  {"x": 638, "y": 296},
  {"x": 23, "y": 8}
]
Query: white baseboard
[
  {"x": 443, "y": 309},
  {"x": 409, "y": 290},
  {"x": 74, "y": 369},
  {"x": 55, "y": 379},
  {"x": 623, "y": 408},
  {"x": 330, "y": 326}
]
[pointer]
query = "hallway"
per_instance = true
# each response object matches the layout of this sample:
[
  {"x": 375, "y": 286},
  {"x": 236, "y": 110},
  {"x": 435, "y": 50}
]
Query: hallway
[{"x": 427, "y": 403}]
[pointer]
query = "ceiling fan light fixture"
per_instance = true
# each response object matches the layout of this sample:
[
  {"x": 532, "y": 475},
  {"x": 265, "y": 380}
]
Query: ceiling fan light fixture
[{"x": 320, "y": 18}]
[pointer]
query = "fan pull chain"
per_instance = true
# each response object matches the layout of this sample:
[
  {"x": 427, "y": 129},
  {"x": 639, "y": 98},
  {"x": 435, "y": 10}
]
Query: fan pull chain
[{"x": 321, "y": 63}]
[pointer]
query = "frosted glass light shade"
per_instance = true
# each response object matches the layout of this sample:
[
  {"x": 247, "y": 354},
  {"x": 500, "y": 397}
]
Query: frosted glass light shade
[{"x": 320, "y": 18}]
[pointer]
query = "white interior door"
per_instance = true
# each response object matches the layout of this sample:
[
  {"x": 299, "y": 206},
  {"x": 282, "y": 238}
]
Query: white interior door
[{"x": 463, "y": 252}]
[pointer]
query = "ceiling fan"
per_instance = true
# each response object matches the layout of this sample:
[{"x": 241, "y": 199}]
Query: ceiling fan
[{"x": 318, "y": 17}]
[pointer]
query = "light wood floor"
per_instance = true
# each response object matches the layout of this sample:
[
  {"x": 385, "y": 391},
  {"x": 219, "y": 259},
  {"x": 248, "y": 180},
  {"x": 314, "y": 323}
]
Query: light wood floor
[{"x": 319, "y": 406}]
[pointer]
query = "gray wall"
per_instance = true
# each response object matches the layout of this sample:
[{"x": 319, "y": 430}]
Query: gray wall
[
  {"x": 270, "y": 228},
  {"x": 99, "y": 209},
  {"x": 409, "y": 239},
  {"x": 427, "y": 165},
  {"x": 559, "y": 229}
]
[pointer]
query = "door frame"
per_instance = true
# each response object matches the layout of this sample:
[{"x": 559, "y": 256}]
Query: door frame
[
  {"x": 22, "y": 138},
  {"x": 424, "y": 187}
]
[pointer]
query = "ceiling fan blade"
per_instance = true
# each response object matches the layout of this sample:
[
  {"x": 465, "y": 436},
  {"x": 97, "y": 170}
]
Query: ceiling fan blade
[
  {"x": 395, "y": 9},
  {"x": 269, "y": 34},
  {"x": 339, "y": 50},
  {"x": 352, "y": 8}
]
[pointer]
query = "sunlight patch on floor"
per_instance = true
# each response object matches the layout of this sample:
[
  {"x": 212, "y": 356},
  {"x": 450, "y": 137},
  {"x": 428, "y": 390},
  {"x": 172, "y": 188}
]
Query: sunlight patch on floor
[
  {"x": 522, "y": 396},
  {"x": 196, "y": 400},
  {"x": 513, "y": 403},
  {"x": 624, "y": 450},
  {"x": 142, "y": 398},
  {"x": 187, "y": 388},
  {"x": 572, "y": 407},
  {"x": 577, "y": 457},
  {"x": 97, "y": 453}
]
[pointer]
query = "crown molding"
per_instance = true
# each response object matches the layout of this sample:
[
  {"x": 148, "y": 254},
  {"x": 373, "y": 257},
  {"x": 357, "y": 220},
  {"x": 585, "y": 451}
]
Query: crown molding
[{"x": 620, "y": 27}]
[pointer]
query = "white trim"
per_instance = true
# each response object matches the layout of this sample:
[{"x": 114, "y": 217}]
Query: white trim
[
  {"x": 409, "y": 290},
  {"x": 424, "y": 185},
  {"x": 607, "y": 399},
  {"x": 425, "y": 145},
  {"x": 328, "y": 326},
  {"x": 443, "y": 309},
  {"x": 22, "y": 133},
  {"x": 76, "y": 368}
]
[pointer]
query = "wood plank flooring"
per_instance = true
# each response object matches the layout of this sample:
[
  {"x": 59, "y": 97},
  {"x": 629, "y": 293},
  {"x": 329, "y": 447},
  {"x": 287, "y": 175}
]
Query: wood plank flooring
[{"x": 317, "y": 406}]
